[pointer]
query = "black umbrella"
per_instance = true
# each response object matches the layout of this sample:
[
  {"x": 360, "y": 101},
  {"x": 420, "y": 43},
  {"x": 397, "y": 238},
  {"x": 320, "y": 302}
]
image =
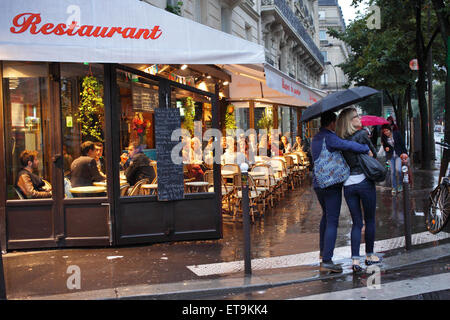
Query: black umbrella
[{"x": 336, "y": 101}]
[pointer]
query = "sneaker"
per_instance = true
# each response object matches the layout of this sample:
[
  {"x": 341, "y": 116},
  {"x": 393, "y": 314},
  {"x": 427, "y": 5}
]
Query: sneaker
[
  {"x": 356, "y": 267},
  {"x": 330, "y": 267},
  {"x": 400, "y": 189}
]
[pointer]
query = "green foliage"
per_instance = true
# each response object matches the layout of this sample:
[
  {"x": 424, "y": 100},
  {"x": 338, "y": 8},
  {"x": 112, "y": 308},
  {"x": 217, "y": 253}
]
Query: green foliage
[
  {"x": 230, "y": 121},
  {"x": 265, "y": 122},
  {"x": 189, "y": 114},
  {"x": 91, "y": 110},
  {"x": 175, "y": 9}
]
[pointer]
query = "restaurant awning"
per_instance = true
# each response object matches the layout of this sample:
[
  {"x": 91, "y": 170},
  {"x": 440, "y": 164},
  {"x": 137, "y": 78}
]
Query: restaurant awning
[
  {"x": 113, "y": 31},
  {"x": 264, "y": 83}
]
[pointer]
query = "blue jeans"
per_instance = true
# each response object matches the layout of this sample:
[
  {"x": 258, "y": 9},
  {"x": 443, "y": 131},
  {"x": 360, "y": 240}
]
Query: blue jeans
[
  {"x": 330, "y": 200},
  {"x": 364, "y": 194},
  {"x": 396, "y": 171}
]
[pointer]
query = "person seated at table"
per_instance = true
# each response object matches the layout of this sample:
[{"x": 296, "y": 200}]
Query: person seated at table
[
  {"x": 186, "y": 152},
  {"x": 196, "y": 146},
  {"x": 298, "y": 145},
  {"x": 263, "y": 146},
  {"x": 84, "y": 171},
  {"x": 274, "y": 148},
  {"x": 99, "y": 158},
  {"x": 286, "y": 145},
  {"x": 139, "y": 167},
  {"x": 231, "y": 156},
  {"x": 28, "y": 183},
  {"x": 209, "y": 153}
]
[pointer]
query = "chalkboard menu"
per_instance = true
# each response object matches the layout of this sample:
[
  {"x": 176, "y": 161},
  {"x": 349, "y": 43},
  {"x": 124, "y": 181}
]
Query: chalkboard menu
[
  {"x": 170, "y": 175},
  {"x": 144, "y": 98}
]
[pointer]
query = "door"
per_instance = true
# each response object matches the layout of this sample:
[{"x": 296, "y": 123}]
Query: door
[{"x": 41, "y": 106}]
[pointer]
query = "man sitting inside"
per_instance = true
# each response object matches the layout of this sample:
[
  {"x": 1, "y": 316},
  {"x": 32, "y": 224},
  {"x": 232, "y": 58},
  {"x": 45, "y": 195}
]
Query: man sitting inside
[
  {"x": 84, "y": 170},
  {"x": 139, "y": 167},
  {"x": 28, "y": 183}
]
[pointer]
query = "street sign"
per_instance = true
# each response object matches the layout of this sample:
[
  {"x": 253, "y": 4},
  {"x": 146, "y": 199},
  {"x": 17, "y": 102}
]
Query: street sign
[{"x": 413, "y": 64}]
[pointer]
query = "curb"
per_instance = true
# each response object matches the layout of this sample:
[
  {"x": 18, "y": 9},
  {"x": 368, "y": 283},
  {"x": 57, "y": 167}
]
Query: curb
[{"x": 197, "y": 289}]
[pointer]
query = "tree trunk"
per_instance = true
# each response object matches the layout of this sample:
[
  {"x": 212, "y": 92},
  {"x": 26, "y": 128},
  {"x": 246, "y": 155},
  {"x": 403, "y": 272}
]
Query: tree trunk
[
  {"x": 444, "y": 25},
  {"x": 421, "y": 86}
]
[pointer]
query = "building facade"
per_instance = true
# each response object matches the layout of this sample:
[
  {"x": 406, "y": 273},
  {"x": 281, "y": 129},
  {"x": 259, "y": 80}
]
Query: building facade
[{"x": 334, "y": 50}]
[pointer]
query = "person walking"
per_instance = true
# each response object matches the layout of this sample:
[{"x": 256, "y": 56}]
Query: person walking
[
  {"x": 358, "y": 189},
  {"x": 396, "y": 152},
  {"x": 324, "y": 146}
]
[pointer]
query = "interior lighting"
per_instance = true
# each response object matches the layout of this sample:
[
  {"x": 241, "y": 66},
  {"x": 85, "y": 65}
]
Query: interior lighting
[{"x": 183, "y": 67}]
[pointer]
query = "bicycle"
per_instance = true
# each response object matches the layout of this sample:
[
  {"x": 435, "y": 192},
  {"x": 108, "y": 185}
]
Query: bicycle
[{"x": 438, "y": 209}]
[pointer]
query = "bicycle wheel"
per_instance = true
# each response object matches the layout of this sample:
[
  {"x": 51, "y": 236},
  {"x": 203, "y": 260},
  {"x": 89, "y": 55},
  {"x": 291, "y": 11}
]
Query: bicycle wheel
[{"x": 438, "y": 209}]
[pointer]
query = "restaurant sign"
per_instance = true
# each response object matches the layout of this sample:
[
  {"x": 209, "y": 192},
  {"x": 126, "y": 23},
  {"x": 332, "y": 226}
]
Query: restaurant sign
[{"x": 113, "y": 31}]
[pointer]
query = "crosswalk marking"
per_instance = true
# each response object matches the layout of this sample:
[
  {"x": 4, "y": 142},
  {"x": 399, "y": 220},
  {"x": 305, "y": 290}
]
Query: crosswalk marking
[
  {"x": 309, "y": 258},
  {"x": 390, "y": 290}
]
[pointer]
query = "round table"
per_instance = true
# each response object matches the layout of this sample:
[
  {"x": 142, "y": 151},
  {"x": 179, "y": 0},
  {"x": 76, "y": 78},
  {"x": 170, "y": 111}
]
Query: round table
[
  {"x": 196, "y": 186},
  {"x": 88, "y": 191},
  {"x": 103, "y": 183},
  {"x": 227, "y": 173}
]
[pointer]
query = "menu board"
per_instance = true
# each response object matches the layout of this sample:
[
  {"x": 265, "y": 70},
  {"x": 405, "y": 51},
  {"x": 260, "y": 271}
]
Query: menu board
[
  {"x": 170, "y": 175},
  {"x": 144, "y": 98}
]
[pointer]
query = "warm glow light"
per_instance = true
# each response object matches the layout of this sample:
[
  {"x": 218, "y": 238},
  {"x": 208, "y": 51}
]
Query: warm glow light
[
  {"x": 202, "y": 86},
  {"x": 225, "y": 83},
  {"x": 184, "y": 66}
]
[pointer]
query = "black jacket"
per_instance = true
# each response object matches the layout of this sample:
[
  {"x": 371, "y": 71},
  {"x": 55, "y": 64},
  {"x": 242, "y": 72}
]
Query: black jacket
[
  {"x": 139, "y": 168},
  {"x": 84, "y": 172},
  {"x": 399, "y": 145},
  {"x": 362, "y": 137}
]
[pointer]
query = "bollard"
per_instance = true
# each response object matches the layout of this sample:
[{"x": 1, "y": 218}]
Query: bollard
[
  {"x": 246, "y": 219},
  {"x": 2, "y": 278},
  {"x": 406, "y": 211}
]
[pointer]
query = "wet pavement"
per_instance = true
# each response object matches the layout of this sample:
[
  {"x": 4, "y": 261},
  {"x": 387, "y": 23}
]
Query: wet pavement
[{"x": 292, "y": 227}]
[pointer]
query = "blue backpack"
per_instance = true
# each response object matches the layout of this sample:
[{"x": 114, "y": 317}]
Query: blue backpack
[{"x": 330, "y": 168}]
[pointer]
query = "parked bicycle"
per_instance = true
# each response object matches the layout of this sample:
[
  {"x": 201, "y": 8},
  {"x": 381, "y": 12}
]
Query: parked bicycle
[{"x": 438, "y": 208}]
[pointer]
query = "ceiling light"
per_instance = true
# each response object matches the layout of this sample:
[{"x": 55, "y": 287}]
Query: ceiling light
[
  {"x": 225, "y": 83},
  {"x": 183, "y": 67}
]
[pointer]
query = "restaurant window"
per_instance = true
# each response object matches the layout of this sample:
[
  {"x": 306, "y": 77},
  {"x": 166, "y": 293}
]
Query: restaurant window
[
  {"x": 242, "y": 115},
  {"x": 198, "y": 147},
  {"x": 83, "y": 129},
  {"x": 284, "y": 122},
  {"x": 27, "y": 131},
  {"x": 138, "y": 98}
]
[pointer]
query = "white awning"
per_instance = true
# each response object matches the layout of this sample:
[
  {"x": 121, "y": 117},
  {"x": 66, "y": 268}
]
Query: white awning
[
  {"x": 263, "y": 82},
  {"x": 113, "y": 31}
]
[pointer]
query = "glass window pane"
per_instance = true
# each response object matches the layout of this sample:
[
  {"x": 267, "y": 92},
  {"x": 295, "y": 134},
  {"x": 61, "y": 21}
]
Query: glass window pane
[
  {"x": 198, "y": 150},
  {"x": 83, "y": 127},
  {"x": 27, "y": 132},
  {"x": 138, "y": 98}
]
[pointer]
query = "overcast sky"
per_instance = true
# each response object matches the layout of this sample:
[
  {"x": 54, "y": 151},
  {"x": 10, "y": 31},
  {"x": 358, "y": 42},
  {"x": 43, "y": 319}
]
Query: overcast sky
[{"x": 348, "y": 11}]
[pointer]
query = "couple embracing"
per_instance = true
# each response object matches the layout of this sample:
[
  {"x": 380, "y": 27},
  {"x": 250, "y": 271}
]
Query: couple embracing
[{"x": 337, "y": 150}]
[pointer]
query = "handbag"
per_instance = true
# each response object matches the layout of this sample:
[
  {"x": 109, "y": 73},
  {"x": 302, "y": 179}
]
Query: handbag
[
  {"x": 372, "y": 168},
  {"x": 330, "y": 168}
]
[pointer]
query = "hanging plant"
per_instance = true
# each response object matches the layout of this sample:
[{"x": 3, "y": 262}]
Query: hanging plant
[
  {"x": 265, "y": 122},
  {"x": 230, "y": 121},
  {"x": 189, "y": 114},
  {"x": 91, "y": 110}
]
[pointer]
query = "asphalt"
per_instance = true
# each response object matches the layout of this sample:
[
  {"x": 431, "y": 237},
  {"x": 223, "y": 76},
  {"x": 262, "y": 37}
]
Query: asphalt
[{"x": 160, "y": 271}]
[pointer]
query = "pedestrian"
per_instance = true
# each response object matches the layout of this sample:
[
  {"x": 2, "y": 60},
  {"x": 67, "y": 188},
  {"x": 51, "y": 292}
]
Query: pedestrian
[
  {"x": 396, "y": 152},
  {"x": 330, "y": 167},
  {"x": 359, "y": 191}
]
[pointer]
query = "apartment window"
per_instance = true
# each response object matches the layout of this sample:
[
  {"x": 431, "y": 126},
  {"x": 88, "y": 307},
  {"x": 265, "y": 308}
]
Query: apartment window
[
  {"x": 321, "y": 15},
  {"x": 325, "y": 55},
  {"x": 200, "y": 11},
  {"x": 225, "y": 16},
  {"x": 324, "y": 79},
  {"x": 322, "y": 35}
]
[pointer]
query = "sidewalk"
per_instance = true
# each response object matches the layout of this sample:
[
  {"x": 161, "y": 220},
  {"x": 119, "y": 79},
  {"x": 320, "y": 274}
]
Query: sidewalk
[{"x": 284, "y": 248}]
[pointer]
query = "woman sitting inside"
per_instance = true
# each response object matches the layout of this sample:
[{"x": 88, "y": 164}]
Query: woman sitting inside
[{"x": 139, "y": 167}]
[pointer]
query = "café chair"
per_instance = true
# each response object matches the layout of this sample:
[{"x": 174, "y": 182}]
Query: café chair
[
  {"x": 136, "y": 189},
  {"x": 254, "y": 200}
]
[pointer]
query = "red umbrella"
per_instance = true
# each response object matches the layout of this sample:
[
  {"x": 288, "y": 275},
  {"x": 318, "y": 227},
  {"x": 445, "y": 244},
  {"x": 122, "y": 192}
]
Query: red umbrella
[{"x": 373, "y": 121}]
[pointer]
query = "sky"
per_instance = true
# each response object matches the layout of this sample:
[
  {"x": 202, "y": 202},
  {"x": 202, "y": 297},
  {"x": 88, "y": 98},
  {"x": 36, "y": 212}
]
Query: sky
[{"x": 348, "y": 11}]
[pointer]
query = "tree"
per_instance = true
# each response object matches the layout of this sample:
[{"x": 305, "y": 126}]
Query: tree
[{"x": 91, "y": 110}]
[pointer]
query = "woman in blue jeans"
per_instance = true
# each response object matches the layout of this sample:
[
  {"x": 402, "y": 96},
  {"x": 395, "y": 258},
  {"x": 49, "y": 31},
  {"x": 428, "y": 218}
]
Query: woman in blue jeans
[
  {"x": 358, "y": 189},
  {"x": 330, "y": 198}
]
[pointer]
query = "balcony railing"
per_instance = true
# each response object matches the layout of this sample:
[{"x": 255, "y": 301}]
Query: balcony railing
[{"x": 294, "y": 21}]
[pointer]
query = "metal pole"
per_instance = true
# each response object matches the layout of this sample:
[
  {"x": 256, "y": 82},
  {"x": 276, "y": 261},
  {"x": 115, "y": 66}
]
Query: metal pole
[
  {"x": 406, "y": 210},
  {"x": 246, "y": 219},
  {"x": 2, "y": 278}
]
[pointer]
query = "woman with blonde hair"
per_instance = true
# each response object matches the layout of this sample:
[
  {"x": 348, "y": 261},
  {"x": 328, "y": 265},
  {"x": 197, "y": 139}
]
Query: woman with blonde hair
[{"x": 358, "y": 189}]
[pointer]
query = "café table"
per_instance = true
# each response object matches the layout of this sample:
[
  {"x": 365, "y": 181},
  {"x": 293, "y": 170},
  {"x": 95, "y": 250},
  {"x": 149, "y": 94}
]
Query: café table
[
  {"x": 227, "y": 173},
  {"x": 103, "y": 183},
  {"x": 197, "y": 186},
  {"x": 88, "y": 191}
]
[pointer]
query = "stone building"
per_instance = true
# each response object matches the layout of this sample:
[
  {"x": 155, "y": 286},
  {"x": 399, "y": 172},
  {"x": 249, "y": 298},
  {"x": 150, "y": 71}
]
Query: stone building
[{"x": 334, "y": 50}]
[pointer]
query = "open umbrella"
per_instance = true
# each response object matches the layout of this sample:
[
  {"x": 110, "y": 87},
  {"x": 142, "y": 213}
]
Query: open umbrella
[
  {"x": 373, "y": 121},
  {"x": 336, "y": 101}
]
